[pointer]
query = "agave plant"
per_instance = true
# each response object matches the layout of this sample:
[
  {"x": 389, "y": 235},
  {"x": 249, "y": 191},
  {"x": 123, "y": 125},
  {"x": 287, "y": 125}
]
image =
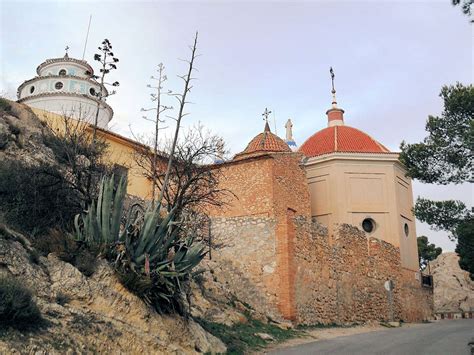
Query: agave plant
[
  {"x": 101, "y": 223},
  {"x": 152, "y": 259}
]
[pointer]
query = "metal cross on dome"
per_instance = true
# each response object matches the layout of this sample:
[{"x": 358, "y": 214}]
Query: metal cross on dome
[
  {"x": 332, "y": 78},
  {"x": 265, "y": 114},
  {"x": 333, "y": 91},
  {"x": 66, "y": 49}
]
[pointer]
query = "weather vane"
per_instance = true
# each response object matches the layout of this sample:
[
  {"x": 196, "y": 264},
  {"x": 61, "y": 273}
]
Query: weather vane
[
  {"x": 265, "y": 114},
  {"x": 333, "y": 91}
]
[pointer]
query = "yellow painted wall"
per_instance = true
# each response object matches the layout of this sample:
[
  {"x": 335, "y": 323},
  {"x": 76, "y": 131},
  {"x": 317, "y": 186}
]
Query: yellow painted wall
[{"x": 120, "y": 151}]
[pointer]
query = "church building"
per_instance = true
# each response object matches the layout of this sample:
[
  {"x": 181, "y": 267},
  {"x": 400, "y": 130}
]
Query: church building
[{"x": 319, "y": 233}]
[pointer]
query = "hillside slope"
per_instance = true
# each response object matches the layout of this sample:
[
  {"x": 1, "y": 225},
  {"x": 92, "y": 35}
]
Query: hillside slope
[
  {"x": 84, "y": 314},
  {"x": 90, "y": 314}
]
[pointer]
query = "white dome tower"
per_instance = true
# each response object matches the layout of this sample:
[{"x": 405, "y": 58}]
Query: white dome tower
[{"x": 64, "y": 86}]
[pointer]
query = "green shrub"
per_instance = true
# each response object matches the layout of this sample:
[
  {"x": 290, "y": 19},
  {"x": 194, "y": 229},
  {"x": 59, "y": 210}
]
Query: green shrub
[
  {"x": 17, "y": 307},
  {"x": 14, "y": 129},
  {"x": 65, "y": 247},
  {"x": 465, "y": 246},
  {"x": 34, "y": 256},
  {"x": 147, "y": 254},
  {"x": 85, "y": 262},
  {"x": 62, "y": 299},
  {"x": 5, "y": 105},
  {"x": 55, "y": 241},
  {"x": 36, "y": 198}
]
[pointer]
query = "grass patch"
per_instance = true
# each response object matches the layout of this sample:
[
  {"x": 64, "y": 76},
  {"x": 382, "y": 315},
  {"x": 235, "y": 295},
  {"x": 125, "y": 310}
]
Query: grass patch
[
  {"x": 388, "y": 325},
  {"x": 240, "y": 338},
  {"x": 323, "y": 326}
]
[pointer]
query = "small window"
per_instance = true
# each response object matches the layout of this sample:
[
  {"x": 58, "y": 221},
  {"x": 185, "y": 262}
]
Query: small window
[
  {"x": 119, "y": 171},
  {"x": 32, "y": 89},
  {"x": 62, "y": 72},
  {"x": 406, "y": 229},
  {"x": 92, "y": 91},
  {"x": 368, "y": 225},
  {"x": 58, "y": 86}
]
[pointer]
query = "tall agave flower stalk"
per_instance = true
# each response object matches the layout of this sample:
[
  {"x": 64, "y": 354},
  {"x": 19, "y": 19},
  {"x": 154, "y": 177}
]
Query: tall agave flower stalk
[{"x": 153, "y": 260}]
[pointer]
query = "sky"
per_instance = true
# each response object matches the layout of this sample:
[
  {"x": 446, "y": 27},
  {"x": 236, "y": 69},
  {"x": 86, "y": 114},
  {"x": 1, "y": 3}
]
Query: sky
[{"x": 391, "y": 59}]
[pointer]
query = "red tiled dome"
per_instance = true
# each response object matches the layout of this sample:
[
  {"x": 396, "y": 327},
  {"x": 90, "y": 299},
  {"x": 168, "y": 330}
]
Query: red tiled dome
[
  {"x": 341, "y": 138},
  {"x": 265, "y": 142}
]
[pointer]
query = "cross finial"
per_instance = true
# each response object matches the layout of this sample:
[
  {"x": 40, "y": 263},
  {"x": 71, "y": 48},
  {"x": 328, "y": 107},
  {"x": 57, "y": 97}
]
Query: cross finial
[
  {"x": 265, "y": 115},
  {"x": 66, "y": 49},
  {"x": 333, "y": 91}
]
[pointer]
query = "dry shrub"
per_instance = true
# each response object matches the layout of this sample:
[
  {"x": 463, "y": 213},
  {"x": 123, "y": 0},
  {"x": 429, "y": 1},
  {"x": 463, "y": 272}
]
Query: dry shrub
[{"x": 17, "y": 307}]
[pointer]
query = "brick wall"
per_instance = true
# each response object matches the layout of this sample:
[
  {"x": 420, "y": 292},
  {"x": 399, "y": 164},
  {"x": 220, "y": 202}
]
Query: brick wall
[
  {"x": 270, "y": 192},
  {"x": 250, "y": 180},
  {"x": 297, "y": 270}
]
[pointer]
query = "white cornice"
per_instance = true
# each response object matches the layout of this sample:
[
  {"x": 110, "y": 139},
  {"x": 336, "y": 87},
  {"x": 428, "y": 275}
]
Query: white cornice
[
  {"x": 63, "y": 93},
  {"x": 64, "y": 60},
  {"x": 347, "y": 156}
]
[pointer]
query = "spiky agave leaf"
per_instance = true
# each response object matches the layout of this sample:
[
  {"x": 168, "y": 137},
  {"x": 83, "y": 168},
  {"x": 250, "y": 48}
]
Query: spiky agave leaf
[{"x": 117, "y": 211}]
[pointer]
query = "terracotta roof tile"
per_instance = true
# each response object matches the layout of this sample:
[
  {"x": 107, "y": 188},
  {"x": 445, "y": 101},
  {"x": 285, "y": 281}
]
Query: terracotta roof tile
[
  {"x": 263, "y": 143},
  {"x": 340, "y": 139}
]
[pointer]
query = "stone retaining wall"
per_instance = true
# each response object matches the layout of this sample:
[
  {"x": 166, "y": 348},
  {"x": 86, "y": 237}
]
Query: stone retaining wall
[
  {"x": 247, "y": 246},
  {"x": 337, "y": 278},
  {"x": 341, "y": 278}
]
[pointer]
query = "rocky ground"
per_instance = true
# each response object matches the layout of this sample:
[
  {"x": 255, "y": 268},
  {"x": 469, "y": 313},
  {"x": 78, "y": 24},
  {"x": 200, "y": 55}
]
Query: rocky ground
[
  {"x": 97, "y": 314},
  {"x": 21, "y": 134},
  {"x": 453, "y": 289},
  {"x": 91, "y": 314}
]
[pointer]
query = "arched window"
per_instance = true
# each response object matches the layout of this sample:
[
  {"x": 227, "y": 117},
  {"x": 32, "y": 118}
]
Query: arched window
[
  {"x": 92, "y": 91},
  {"x": 62, "y": 72},
  {"x": 59, "y": 85}
]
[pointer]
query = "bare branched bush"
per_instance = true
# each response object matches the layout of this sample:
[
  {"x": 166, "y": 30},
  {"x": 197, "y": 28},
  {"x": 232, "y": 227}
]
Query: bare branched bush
[
  {"x": 78, "y": 154},
  {"x": 194, "y": 179}
]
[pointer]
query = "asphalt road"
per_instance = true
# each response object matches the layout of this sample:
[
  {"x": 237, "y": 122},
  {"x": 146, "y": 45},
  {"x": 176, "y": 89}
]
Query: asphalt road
[{"x": 448, "y": 337}]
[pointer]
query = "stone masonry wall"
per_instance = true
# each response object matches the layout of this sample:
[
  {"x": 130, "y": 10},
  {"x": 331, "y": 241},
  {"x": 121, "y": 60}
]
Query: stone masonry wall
[
  {"x": 341, "y": 278},
  {"x": 418, "y": 301},
  {"x": 247, "y": 244}
]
